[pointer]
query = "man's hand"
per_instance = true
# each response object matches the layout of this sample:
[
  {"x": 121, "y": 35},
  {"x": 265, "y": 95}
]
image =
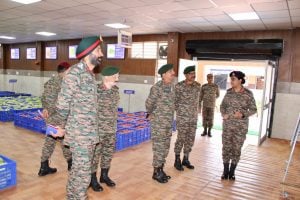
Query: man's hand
[
  {"x": 238, "y": 115},
  {"x": 60, "y": 132},
  {"x": 148, "y": 116},
  {"x": 45, "y": 114}
]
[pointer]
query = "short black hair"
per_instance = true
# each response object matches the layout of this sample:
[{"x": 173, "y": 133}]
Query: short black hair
[
  {"x": 239, "y": 75},
  {"x": 61, "y": 69}
]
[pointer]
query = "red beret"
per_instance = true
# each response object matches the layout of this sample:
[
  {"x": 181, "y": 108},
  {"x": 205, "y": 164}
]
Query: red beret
[{"x": 65, "y": 65}]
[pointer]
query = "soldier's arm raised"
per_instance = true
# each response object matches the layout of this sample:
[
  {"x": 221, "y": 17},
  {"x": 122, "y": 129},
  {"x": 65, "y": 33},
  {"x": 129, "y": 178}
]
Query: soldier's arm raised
[{"x": 151, "y": 100}]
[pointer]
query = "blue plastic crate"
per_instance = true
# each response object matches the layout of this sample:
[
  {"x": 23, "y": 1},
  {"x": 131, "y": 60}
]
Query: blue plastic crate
[
  {"x": 8, "y": 173},
  {"x": 6, "y": 116},
  {"x": 31, "y": 121},
  {"x": 126, "y": 138},
  {"x": 123, "y": 125}
]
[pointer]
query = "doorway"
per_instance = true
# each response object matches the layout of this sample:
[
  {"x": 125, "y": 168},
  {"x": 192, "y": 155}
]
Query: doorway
[{"x": 260, "y": 80}]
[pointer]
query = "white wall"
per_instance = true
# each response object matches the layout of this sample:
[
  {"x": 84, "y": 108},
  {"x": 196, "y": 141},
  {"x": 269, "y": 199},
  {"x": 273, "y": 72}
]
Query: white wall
[
  {"x": 137, "y": 100},
  {"x": 287, "y": 109},
  {"x": 25, "y": 84}
]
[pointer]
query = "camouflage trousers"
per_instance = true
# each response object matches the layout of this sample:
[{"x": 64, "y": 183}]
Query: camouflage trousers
[
  {"x": 233, "y": 137},
  {"x": 80, "y": 175},
  {"x": 49, "y": 147},
  {"x": 161, "y": 139},
  {"x": 185, "y": 138},
  {"x": 208, "y": 117},
  {"x": 105, "y": 150}
]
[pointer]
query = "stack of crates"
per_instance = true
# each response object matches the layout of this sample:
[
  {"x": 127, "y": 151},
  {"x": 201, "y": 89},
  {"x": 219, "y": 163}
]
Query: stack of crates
[
  {"x": 8, "y": 173},
  {"x": 9, "y": 105},
  {"x": 30, "y": 120},
  {"x": 132, "y": 129}
]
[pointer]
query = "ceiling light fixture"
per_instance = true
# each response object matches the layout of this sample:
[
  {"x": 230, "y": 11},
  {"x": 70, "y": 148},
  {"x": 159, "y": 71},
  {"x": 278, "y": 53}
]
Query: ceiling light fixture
[
  {"x": 244, "y": 16},
  {"x": 26, "y": 1},
  {"x": 117, "y": 25},
  {"x": 45, "y": 33},
  {"x": 7, "y": 37}
]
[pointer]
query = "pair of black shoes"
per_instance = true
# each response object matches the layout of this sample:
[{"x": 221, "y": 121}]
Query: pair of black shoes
[
  {"x": 45, "y": 169},
  {"x": 185, "y": 162},
  {"x": 160, "y": 175},
  {"x": 228, "y": 173},
  {"x": 104, "y": 178},
  {"x": 205, "y": 132}
]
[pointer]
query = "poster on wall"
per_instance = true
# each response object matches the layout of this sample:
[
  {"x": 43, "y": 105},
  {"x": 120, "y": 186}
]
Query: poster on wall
[
  {"x": 51, "y": 52},
  {"x": 31, "y": 53},
  {"x": 15, "y": 53},
  {"x": 115, "y": 52},
  {"x": 72, "y": 51}
]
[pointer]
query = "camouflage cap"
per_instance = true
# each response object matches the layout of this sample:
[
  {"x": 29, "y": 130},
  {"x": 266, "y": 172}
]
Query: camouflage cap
[
  {"x": 189, "y": 69},
  {"x": 165, "y": 68},
  {"x": 86, "y": 46},
  {"x": 110, "y": 70}
]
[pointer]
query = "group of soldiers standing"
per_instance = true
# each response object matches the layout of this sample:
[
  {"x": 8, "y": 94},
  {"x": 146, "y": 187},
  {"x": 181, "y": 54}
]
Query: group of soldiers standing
[
  {"x": 85, "y": 115},
  {"x": 187, "y": 98}
]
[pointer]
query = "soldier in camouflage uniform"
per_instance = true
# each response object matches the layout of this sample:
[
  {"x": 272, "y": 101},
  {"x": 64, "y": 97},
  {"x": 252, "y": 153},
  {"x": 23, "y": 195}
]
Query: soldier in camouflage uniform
[
  {"x": 160, "y": 106},
  {"x": 49, "y": 97},
  {"x": 186, "y": 105},
  {"x": 77, "y": 105},
  {"x": 209, "y": 92},
  {"x": 108, "y": 101},
  {"x": 238, "y": 104}
]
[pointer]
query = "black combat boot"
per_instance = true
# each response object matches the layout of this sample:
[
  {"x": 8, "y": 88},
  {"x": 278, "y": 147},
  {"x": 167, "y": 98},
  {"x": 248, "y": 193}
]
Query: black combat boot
[
  {"x": 45, "y": 169},
  {"x": 225, "y": 172},
  {"x": 94, "y": 183},
  {"x": 177, "y": 163},
  {"x": 204, "y": 131},
  {"x": 105, "y": 179},
  {"x": 231, "y": 172},
  {"x": 158, "y": 175},
  {"x": 209, "y": 132},
  {"x": 70, "y": 164},
  {"x": 186, "y": 162},
  {"x": 164, "y": 173}
]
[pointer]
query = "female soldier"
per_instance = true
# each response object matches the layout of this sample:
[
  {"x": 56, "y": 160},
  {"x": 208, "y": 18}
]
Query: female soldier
[{"x": 238, "y": 104}]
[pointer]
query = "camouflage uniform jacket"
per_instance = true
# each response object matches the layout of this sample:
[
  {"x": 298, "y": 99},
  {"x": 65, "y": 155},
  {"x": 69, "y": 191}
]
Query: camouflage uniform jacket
[
  {"x": 161, "y": 105},
  {"x": 108, "y": 101},
  {"x": 209, "y": 93},
  {"x": 77, "y": 106},
  {"x": 242, "y": 101},
  {"x": 187, "y": 101},
  {"x": 49, "y": 96}
]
